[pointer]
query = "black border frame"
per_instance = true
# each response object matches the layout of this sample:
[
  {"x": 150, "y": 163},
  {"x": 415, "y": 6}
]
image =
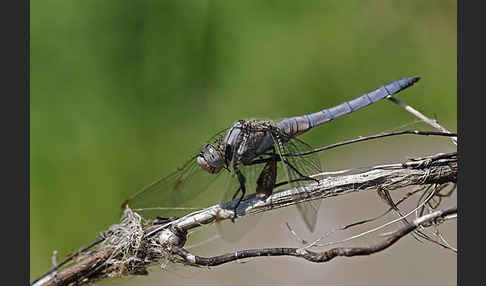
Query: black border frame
[{"x": 15, "y": 158}]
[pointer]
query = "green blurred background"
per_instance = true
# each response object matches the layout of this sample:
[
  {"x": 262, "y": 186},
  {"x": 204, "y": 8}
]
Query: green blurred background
[{"x": 122, "y": 91}]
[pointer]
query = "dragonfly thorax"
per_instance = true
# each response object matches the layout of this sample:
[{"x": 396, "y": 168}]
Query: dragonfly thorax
[{"x": 210, "y": 159}]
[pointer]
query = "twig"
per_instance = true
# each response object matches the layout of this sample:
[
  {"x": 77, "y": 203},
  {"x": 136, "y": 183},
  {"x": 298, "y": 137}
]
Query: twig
[
  {"x": 77, "y": 271},
  {"x": 422, "y": 117},
  {"x": 370, "y": 137},
  {"x": 70, "y": 257},
  {"x": 162, "y": 241},
  {"x": 439, "y": 168},
  {"x": 317, "y": 257}
]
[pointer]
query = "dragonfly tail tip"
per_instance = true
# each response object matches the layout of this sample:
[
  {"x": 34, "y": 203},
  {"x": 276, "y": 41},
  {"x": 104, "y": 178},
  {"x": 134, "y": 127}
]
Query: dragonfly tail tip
[{"x": 415, "y": 79}]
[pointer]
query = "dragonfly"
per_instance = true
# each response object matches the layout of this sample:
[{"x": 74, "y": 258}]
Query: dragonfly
[{"x": 250, "y": 148}]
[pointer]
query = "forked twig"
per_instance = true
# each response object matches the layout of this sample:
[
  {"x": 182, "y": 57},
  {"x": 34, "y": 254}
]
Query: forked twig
[
  {"x": 317, "y": 257},
  {"x": 166, "y": 241}
]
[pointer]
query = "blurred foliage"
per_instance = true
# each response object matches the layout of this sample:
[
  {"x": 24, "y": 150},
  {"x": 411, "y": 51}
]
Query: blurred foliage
[{"x": 123, "y": 91}]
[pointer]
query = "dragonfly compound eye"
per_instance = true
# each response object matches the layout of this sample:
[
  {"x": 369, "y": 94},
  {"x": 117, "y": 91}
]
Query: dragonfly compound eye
[{"x": 210, "y": 159}]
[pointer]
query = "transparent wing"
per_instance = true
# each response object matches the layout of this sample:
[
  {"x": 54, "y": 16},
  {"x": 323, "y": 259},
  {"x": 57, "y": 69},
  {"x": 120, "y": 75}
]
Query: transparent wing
[
  {"x": 184, "y": 190},
  {"x": 295, "y": 169}
]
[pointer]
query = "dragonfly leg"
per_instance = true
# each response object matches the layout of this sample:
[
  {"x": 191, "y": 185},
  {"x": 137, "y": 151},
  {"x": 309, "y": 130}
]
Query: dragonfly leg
[
  {"x": 236, "y": 193},
  {"x": 242, "y": 188}
]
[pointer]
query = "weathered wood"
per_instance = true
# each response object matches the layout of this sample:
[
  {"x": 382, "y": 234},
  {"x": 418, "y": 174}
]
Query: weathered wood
[{"x": 169, "y": 238}]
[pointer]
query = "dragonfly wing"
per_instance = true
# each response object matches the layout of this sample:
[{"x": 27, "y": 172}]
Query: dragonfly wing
[
  {"x": 187, "y": 189},
  {"x": 171, "y": 195},
  {"x": 295, "y": 168}
]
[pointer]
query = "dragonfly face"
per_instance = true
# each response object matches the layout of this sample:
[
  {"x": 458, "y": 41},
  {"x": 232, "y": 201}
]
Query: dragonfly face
[{"x": 210, "y": 159}]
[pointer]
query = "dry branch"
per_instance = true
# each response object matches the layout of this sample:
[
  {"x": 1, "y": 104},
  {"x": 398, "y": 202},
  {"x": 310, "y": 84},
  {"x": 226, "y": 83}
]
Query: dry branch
[
  {"x": 129, "y": 249},
  {"x": 317, "y": 257}
]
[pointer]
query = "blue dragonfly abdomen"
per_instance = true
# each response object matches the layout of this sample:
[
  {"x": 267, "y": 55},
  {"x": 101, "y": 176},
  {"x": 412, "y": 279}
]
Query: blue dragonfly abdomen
[{"x": 297, "y": 125}]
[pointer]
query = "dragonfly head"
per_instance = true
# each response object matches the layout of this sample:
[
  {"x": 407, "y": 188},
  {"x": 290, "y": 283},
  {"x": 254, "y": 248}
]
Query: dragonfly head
[{"x": 210, "y": 159}]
